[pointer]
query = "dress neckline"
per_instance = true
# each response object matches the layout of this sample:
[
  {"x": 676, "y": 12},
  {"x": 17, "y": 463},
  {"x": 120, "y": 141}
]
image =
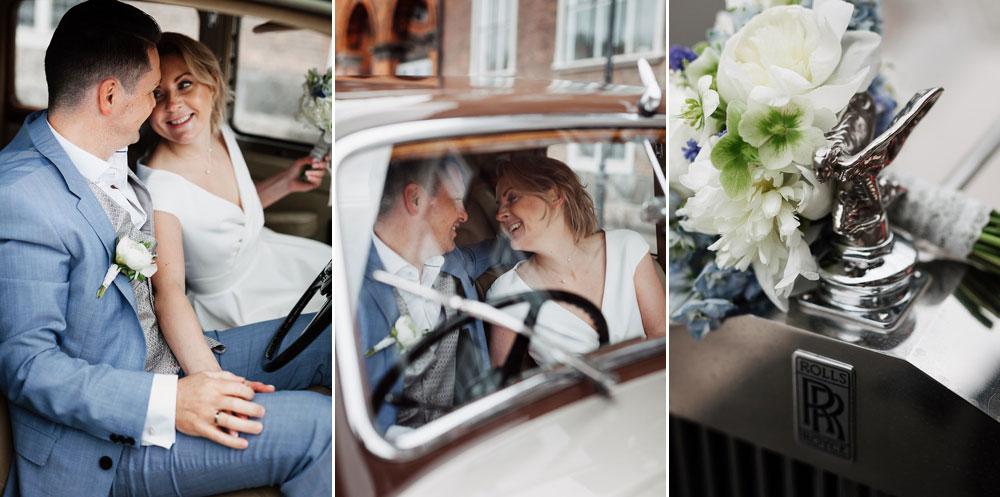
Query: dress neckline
[
  {"x": 226, "y": 137},
  {"x": 604, "y": 289}
]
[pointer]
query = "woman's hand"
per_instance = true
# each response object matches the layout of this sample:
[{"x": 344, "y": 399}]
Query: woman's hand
[
  {"x": 306, "y": 174},
  {"x": 303, "y": 175}
]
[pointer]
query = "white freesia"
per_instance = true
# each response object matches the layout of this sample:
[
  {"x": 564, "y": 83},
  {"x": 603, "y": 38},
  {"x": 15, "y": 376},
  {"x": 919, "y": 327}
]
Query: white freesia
[
  {"x": 758, "y": 229},
  {"x": 788, "y": 51}
]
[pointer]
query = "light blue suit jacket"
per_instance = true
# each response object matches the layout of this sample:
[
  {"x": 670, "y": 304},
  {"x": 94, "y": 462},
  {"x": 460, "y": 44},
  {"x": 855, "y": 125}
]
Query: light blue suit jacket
[
  {"x": 71, "y": 364},
  {"x": 377, "y": 313}
]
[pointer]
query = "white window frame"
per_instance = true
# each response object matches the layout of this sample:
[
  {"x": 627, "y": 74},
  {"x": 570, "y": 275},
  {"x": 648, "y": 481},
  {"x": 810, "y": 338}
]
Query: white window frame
[
  {"x": 561, "y": 62},
  {"x": 476, "y": 59},
  {"x": 590, "y": 163}
]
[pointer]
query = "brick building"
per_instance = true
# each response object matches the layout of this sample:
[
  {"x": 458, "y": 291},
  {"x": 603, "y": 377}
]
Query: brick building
[{"x": 535, "y": 39}]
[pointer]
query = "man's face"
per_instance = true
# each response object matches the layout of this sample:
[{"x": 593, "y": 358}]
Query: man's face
[
  {"x": 137, "y": 105},
  {"x": 444, "y": 213}
]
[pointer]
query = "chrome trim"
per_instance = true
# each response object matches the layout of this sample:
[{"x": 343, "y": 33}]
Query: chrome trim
[
  {"x": 443, "y": 128},
  {"x": 649, "y": 102},
  {"x": 357, "y": 407},
  {"x": 655, "y": 164}
]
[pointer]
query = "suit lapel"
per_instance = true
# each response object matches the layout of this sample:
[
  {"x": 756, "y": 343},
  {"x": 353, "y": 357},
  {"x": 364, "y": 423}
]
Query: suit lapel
[
  {"x": 379, "y": 292},
  {"x": 89, "y": 207}
]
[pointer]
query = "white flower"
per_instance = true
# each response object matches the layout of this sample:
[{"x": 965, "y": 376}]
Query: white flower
[
  {"x": 758, "y": 229},
  {"x": 131, "y": 257},
  {"x": 790, "y": 50},
  {"x": 764, "y": 4},
  {"x": 406, "y": 333},
  {"x": 132, "y": 254},
  {"x": 782, "y": 134},
  {"x": 680, "y": 132}
]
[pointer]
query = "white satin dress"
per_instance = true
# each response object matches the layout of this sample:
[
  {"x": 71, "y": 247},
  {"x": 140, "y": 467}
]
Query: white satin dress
[
  {"x": 625, "y": 250},
  {"x": 237, "y": 271}
]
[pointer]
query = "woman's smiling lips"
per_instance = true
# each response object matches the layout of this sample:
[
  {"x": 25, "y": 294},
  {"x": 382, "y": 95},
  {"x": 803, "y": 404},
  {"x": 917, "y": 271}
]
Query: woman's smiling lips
[{"x": 180, "y": 121}]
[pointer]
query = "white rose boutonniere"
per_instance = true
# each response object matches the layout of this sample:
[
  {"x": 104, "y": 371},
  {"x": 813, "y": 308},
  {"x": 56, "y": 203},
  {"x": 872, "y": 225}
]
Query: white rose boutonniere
[
  {"x": 404, "y": 333},
  {"x": 134, "y": 259}
]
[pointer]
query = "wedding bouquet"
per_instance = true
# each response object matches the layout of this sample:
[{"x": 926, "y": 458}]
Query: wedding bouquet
[
  {"x": 316, "y": 108},
  {"x": 749, "y": 109}
]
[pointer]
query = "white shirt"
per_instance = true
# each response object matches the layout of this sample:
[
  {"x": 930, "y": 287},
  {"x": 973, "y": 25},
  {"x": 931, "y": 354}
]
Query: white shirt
[
  {"x": 158, "y": 428},
  {"x": 425, "y": 313},
  {"x": 110, "y": 175}
]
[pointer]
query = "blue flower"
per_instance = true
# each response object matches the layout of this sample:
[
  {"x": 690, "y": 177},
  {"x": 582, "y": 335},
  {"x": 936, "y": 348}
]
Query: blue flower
[
  {"x": 691, "y": 150},
  {"x": 742, "y": 15},
  {"x": 680, "y": 56},
  {"x": 885, "y": 104},
  {"x": 867, "y": 16},
  {"x": 702, "y": 316},
  {"x": 716, "y": 283}
]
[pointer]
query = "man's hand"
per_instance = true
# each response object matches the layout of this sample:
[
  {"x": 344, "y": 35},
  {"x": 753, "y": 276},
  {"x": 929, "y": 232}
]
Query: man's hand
[{"x": 209, "y": 402}]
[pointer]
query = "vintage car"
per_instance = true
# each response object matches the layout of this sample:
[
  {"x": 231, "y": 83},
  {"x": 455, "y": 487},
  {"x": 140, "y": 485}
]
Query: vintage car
[
  {"x": 248, "y": 37},
  {"x": 590, "y": 425},
  {"x": 879, "y": 379}
]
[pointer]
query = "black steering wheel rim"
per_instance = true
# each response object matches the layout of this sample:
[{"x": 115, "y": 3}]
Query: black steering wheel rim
[
  {"x": 535, "y": 299},
  {"x": 274, "y": 361}
]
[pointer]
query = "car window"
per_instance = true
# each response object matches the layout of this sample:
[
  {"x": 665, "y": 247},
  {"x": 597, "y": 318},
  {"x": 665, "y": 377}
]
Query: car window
[
  {"x": 616, "y": 173},
  {"x": 271, "y": 68},
  {"x": 37, "y": 19}
]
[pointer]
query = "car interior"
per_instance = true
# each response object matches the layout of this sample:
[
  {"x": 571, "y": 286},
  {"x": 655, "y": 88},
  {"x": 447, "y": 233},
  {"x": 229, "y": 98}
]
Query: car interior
[
  {"x": 621, "y": 189},
  {"x": 265, "y": 49}
]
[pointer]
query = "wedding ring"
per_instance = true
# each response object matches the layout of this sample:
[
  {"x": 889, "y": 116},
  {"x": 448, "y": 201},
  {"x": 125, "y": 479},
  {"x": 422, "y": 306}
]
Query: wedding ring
[{"x": 216, "y": 418}]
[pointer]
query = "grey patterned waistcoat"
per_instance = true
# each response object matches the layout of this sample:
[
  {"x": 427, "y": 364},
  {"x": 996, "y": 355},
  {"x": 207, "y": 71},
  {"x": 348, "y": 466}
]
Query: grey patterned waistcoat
[{"x": 430, "y": 378}]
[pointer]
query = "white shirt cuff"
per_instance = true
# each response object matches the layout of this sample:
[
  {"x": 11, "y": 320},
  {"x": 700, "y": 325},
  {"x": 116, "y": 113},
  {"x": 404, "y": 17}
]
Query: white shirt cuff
[{"x": 161, "y": 413}]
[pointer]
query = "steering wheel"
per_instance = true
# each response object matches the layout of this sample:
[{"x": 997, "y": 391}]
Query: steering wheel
[
  {"x": 496, "y": 377},
  {"x": 323, "y": 284}
]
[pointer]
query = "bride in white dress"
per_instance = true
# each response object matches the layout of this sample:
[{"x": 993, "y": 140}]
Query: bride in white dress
[
  {"x": 544, "y": 209},
  {"x": 219, "y": 267}
]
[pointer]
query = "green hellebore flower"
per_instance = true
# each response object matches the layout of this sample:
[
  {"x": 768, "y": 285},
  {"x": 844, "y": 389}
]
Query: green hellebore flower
[
  {"x": 782, "y": 135},
  {"x": 733, "y": 156}
]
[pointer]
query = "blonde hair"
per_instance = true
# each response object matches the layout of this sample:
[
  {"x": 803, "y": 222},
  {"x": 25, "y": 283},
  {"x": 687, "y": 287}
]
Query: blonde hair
[
  {"x": 537, "y": 175},
  {"x": 204, "y": 67}
]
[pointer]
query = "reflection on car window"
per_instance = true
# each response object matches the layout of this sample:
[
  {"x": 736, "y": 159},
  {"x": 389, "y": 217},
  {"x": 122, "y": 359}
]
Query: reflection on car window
[
  {"x": 466, "y": 242},
  {"x": 270, "y": 70},
  {"x": 36, "y": 20}
]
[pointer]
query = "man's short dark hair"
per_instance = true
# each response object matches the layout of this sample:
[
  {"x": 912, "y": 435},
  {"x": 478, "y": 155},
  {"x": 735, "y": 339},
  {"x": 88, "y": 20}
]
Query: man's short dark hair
[
  {"x": 96, "y": 40},
  {"x": 428, "y": 173}
]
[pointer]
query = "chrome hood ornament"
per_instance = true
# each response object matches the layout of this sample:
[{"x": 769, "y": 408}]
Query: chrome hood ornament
[{"x": 868, "y": 274}]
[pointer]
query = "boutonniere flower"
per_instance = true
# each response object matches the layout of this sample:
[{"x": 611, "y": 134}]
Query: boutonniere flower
[
  {"x": 404, "y": 333},
  {"x": 134, "y": 259}
]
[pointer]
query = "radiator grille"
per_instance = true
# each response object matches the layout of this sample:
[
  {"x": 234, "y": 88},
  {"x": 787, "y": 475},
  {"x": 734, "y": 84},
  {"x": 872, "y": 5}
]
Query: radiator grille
[{"x": 708, "y": 463}]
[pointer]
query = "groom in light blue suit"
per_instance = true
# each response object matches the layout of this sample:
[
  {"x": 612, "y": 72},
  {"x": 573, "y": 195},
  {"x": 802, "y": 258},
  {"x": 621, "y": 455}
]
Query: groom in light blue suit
[
  {"x": 414, "y": 238},
  {"x": 98, "y": 405}
]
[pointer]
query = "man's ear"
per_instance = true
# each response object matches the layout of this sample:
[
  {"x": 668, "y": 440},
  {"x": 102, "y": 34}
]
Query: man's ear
[
  {"x": 108, "y": 95},
  {"x": 413, "y": 196}
]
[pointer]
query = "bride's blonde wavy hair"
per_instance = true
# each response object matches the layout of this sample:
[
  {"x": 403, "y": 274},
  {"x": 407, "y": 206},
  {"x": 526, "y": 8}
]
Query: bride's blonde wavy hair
[
  {"x": 204, "y": 67},
  {"x": 538, "y": 175}
]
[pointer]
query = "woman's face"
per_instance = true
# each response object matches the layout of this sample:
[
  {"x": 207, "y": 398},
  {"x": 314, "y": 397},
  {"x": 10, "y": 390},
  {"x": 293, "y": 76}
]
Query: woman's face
[
  {"x": 523, "y": 217},
  {"x": 183, "y": 105}
]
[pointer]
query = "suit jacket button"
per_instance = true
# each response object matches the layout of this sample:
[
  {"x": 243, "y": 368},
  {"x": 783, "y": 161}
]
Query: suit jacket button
[
  {"x": 105, "y": 462},
  {"x": 130, "y": 441},
  {"x": 114, "y": 437}
]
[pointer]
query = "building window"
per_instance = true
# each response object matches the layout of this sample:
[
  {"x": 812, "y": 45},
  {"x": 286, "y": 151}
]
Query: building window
[
  {"x": 618, "y": 157},
  {"x": 37, "y": 19},
  {"x": 494, "y": 38},
  {"x": 583, "y": 31}
]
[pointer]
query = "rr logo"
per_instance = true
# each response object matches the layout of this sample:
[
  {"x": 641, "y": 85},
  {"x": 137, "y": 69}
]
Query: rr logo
[{"x": 824, "y": 393}]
